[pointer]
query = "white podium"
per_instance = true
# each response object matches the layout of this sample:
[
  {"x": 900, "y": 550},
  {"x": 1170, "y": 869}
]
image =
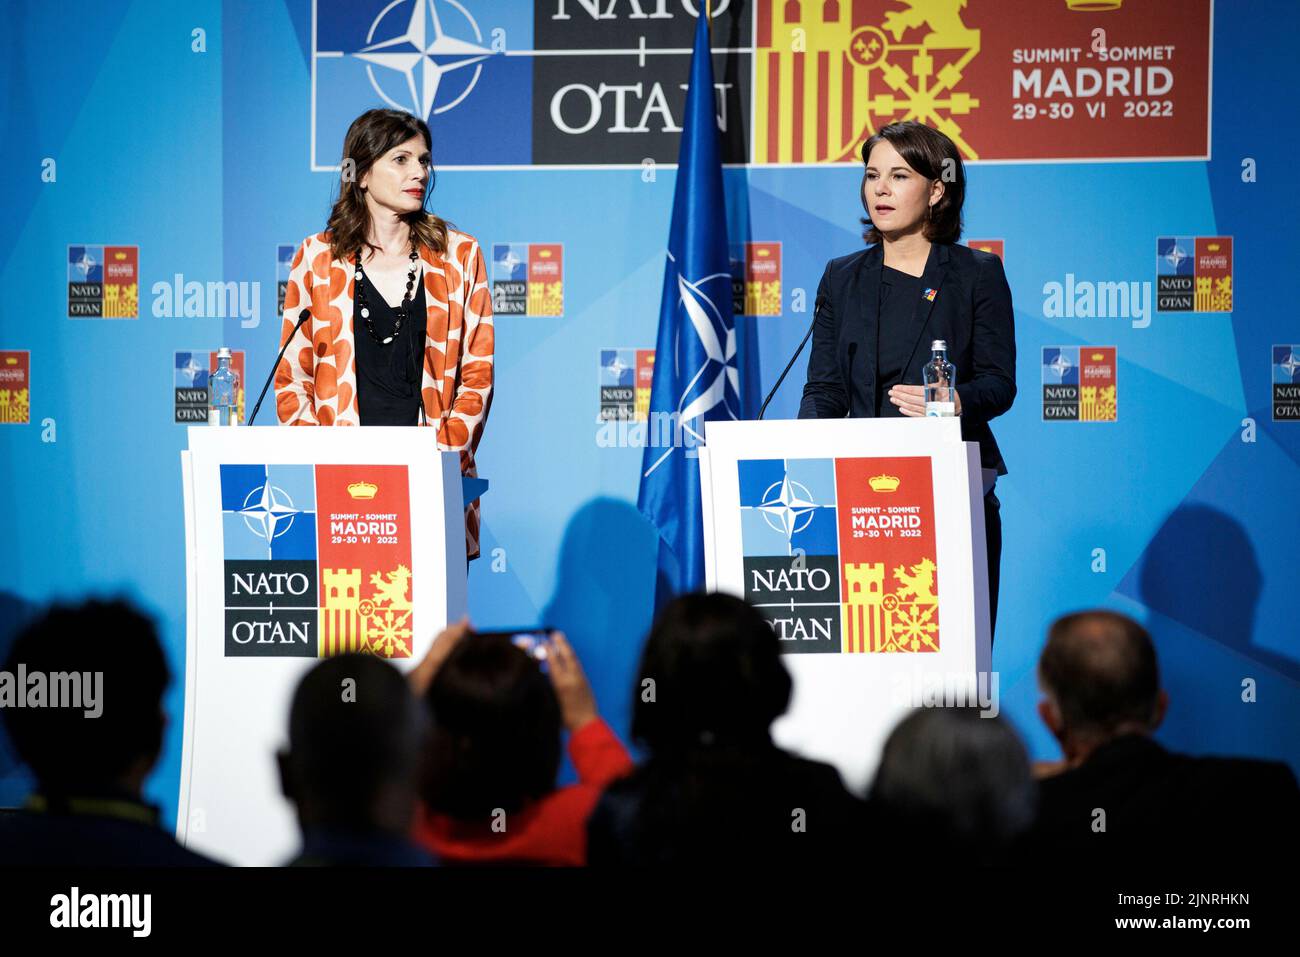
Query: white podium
[
  {"x": 300, "y": 543},
  {"x": 862, "y": 542}
]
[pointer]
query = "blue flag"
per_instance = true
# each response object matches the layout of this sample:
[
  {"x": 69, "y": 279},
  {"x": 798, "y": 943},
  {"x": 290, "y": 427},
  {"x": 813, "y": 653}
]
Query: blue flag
[{"x": 695, "y": 373}]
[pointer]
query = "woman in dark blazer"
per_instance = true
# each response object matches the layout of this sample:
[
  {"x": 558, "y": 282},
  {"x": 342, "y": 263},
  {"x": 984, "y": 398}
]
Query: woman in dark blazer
[{"x": 879, "y": 309}]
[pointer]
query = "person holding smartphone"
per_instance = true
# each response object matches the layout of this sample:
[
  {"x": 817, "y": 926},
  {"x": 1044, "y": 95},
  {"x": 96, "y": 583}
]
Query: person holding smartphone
[{"x": 490, "y": 794}]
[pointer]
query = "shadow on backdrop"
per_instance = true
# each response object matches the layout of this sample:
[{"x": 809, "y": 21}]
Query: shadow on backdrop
[
  {"x": 1201, "y": 569},
  {"x": 603, "y": 601}
]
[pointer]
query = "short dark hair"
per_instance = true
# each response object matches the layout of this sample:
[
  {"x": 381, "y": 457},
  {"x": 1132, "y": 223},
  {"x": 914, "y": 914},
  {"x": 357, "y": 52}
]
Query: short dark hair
[
  {"x": 1100, "y": 668},
  {"x": 955, "y": 775},
  {"x": 717, "y": 675},
  {"x": 496, "y": 730},
  {"x": 66, "y": 750},
  {"x": 934, "y": 156},
  {"x": 347, "y": 741}
]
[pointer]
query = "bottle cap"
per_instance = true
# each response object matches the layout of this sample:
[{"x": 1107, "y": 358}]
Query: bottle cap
[
  {"x": 223, "y": 352},
  {"x": 939, "y": 344}
]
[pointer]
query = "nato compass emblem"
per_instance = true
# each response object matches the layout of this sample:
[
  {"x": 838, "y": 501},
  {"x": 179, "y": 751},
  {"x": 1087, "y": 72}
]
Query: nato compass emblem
[
  {"x": 788, "y": 507},
  {"x": 510, "y": 265},
  {"x": 191, "y": 373},
  {"x": 705, "y": 357},
  {"x": 86, "y": 267},
  {"x": 1061, "y": 365},
  {"x": 1290, "y": 363},
  {"x": 416, "y": 55},
  {"x": 1175, "y": 256},
  {"x": 714, "y": 381},
  {"x": 268, "y": 512},
  {"x": 616, "y": 368},
  {"x": 423, "y": 57}
]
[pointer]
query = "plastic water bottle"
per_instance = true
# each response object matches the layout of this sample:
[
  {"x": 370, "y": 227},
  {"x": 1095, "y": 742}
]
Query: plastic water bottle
[
  {"x": 223, "y": 387},
  {"x": 940, "y": 381}
]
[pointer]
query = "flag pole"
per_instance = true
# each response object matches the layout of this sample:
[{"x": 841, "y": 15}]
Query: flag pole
[{"x": 695, "y": 374}]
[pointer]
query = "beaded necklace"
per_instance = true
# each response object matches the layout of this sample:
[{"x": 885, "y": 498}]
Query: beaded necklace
[{"x": 402, "y": 310}]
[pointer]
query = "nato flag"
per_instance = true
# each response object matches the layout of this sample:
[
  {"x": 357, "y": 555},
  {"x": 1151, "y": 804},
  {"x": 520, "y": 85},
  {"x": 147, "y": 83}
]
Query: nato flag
[{"x": 695, "y": 371}]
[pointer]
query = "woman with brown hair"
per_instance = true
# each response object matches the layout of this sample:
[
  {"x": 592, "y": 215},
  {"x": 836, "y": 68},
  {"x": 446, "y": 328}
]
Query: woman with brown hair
[
  {"x": 881, "y": 309},
  {"x": 401, "y": 313}
]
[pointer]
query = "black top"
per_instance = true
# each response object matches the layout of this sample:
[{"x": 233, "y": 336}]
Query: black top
[
  {"x": 388, "y": 377},
  {"x": 899, "y": 295},
  {"x": 970, "y": 309},
  {"x": 725, "y": 806},
  {"x": 1161, "y": 805},
  {"x": 329, "y": 847},
  {"x": 100, "y": 830}
]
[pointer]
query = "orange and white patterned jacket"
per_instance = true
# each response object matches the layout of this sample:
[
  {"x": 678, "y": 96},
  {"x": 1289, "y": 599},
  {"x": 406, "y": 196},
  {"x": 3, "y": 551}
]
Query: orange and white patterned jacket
[{"x": 316, "y": 381}]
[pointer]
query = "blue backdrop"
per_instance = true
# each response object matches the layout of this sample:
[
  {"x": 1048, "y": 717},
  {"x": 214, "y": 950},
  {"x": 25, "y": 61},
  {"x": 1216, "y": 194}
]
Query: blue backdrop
[{"x": 203, "y": 160}]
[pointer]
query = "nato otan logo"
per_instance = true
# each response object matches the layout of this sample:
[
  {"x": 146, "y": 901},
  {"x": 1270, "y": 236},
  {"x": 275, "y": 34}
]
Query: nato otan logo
[
  {"x": 1286, "y": 383},
  {"x": 790, "y": 539},
  {"x": 528, "y": 279},
  {"x": 1079, "y": 384},
  {"x": 1194, "y": 274},
  {"x": 103, "y": 282},
  {"x": 625, "y": 379},
  {"x": 507, "y": 85},
  {"x": 190, "y": 374},
  {"x": 269, "y": 536}
]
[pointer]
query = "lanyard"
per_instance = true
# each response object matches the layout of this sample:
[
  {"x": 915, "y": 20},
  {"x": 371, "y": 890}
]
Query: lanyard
[{"x": 101, "y": 807}]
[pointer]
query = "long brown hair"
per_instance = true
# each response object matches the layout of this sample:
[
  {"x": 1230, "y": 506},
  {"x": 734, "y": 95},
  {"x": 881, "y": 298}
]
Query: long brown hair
[{"x": 371, "y": 135}]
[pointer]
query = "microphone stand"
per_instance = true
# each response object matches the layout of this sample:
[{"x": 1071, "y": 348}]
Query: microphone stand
[
  {"x": 816, "y": 312},
  {"x": 302, "y": 317}
]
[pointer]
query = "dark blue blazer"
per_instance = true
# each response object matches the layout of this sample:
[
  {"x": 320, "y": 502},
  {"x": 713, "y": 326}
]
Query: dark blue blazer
[{"x": 971, "y": 311}]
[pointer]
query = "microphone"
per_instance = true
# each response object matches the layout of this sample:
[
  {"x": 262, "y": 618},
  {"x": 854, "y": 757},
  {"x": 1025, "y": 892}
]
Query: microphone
[
  {"x": 302, "y": 317},
  {"x": 817, "y": 308}
]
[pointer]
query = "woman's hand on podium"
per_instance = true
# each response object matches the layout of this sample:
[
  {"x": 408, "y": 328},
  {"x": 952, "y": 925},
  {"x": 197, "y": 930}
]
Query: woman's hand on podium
[
  {"x": 910, "y": 399},
  {"x": 422, "y": 676},
  {"x": 577, "y": 703}
]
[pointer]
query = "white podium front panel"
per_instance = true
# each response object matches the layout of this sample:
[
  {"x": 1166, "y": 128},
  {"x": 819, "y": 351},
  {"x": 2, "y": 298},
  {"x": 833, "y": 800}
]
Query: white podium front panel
[
  {"x": 862, "y": 542},
  {"x": 301, "y": 543}
]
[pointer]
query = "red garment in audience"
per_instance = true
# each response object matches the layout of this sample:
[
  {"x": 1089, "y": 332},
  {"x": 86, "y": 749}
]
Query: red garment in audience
[{"x": 552, "y": 830}]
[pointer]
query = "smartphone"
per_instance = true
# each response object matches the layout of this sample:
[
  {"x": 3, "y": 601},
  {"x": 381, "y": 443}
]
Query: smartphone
[{"x": 536, "y": 642}]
